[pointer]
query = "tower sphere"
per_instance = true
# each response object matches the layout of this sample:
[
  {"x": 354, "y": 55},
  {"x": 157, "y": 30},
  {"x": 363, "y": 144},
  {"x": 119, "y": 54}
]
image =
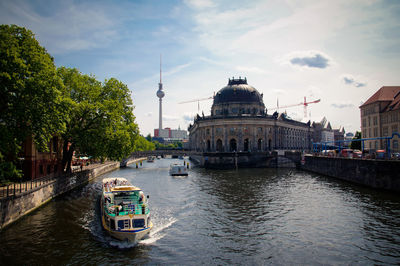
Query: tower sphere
[{"x": 160, "y": 94}]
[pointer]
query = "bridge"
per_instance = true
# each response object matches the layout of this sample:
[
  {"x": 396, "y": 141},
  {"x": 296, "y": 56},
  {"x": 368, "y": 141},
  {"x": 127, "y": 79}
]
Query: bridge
[{"x": 229, "y": 160}]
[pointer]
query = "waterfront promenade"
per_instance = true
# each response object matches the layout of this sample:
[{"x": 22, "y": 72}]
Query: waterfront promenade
[{"x": 19, "y": 199}]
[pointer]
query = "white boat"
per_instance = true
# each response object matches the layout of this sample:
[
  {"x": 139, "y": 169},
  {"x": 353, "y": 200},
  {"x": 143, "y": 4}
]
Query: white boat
[
  {"x": 125, "y": 213},
  {"x": 150, "y": 159},
  {"x": 177, "y": 170}
]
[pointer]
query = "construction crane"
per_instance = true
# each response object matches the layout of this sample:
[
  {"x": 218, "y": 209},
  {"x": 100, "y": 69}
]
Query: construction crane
[
  {"x": 305, "y": 104},
  {"x": 198, "y": 101}
]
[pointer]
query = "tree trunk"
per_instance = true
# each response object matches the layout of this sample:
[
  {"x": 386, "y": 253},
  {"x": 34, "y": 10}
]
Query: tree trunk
[{"x": 68, "y": 152}]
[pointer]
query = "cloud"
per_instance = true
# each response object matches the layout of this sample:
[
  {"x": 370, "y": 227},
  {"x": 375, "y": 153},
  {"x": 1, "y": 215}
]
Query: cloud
[
  {"x": 310, "y": 59},
  {"x": 253, "y": 69},
  {"x": 170, "y": 118},
  {"x": 350, "y": 80},
  {"x": 279, "y": 92},
  {"x": 342, "y": 105},
  {"x": 199, "y": 4},
  {"x": 188, "y": 117},
  {"x": 64, "y": 27}
]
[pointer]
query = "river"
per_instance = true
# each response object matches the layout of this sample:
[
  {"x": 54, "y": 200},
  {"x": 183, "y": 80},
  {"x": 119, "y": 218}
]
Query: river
[{"x": 247, "y": 217}]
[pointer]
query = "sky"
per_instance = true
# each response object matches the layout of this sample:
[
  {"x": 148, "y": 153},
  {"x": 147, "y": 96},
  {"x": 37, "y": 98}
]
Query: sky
[{"x": 338, "y": 51}]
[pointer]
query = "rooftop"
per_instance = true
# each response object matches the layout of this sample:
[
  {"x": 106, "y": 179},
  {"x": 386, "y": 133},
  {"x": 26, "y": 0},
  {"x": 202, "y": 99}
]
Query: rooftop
[{"x": 386, "y": 93}]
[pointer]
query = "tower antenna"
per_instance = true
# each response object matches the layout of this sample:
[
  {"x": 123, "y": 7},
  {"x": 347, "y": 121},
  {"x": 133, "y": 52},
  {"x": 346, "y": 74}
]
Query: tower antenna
[{"x": 160, "y": 95}]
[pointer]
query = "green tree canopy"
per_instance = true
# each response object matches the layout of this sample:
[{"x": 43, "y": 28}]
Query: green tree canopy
[
  {"x": 356, "y": 144},
  {"x": 101, "y": 121},
  {"x": 142, "y": 144},
  {"x": 31, "y": 103}
]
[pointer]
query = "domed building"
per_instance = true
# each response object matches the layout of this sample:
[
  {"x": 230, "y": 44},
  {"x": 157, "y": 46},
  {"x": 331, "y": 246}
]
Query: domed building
[{"x": 239, "y": 123}]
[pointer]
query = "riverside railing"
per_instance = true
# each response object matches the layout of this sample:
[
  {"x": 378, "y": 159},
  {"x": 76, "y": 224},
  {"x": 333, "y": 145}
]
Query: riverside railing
[{"x": 15, "y": 189}]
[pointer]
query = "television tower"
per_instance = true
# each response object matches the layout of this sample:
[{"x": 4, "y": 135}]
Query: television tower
[{"x": 160, "y": 95}]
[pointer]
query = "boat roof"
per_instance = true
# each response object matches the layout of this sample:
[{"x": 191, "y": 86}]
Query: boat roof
[
  {"x": 122, "y": 184},
  {"x": 125, "y": 188},
  {"x": 111, "y": 179}
]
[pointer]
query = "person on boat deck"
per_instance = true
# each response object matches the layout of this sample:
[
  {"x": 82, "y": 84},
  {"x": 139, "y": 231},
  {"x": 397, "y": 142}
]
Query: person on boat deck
[{"x": 141, "y": 197}]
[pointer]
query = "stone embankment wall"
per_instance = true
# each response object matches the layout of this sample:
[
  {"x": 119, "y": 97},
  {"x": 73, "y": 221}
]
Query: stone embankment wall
[
  {"x": 382, "y": 174},
  {"x": 13, "y": 208}
]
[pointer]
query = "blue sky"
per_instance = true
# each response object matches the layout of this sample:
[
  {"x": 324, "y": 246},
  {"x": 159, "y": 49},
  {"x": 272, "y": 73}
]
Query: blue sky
[{"x": 338, "y": 51}]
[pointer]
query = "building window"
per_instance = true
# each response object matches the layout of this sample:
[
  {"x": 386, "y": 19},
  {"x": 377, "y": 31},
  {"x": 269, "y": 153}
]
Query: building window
[
  {"x": 232, "y": 145},
  {"x": 375, "y": 132},
  {"x": 208, "y": 131},
  {"x": 369, "y": 121},
  {"x": 364, "y": 122},
  {"x": 259, "y": 144},
  {"x": 235, "y": 110},
  {"x": 208, "y": 145},
  {"x": 385, "y": 131},
  {"x": 259, "y": 130},
  {"x": 246, "y": 145},
  {"x": 395, "y": 144},
  {"x": 41, "y": 169},
  {"x": 375, "y": 120},
  {"x": 219, "y": 145},
  {"x": 394, "y": 129},
  {"x": 232, "y": 130},
  {"x": 48, "y": 169}
]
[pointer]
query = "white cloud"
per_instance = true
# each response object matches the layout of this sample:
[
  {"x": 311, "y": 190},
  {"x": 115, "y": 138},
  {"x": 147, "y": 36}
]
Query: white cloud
[
  {"x": 70, "y": 26},
  {"x": 310, "y": 59},
  {"x": 342, "y": 105},
  {"x": 199, "y": 4},
  {"x": 353, "y": 81}
]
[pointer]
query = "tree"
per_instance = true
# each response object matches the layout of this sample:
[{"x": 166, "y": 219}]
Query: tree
[
  {"x": 142, "y": 144},
  {"x": 356, "y": 145},
  {"x": 100, "y": 117},
  {"x": 31, "y": 103}
]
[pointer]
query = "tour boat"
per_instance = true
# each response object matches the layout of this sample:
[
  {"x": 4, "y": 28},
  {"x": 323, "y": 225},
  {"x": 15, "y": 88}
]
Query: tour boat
[
  {"x": 177, "y": 170},
  {"x": 125, "y": 213},
  {"x": 150, "y": 159}
]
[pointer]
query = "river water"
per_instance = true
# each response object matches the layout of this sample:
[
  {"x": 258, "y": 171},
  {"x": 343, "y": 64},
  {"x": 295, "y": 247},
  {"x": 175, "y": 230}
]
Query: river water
[{"x": 247, "y": 217}]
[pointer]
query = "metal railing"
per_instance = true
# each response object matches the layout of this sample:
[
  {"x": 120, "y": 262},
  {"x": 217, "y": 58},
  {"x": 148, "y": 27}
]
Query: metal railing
[{"x": 15, "y": 189}]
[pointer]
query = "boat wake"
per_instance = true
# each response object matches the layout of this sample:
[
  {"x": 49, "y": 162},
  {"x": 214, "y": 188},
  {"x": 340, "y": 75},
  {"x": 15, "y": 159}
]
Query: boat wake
[
  {"x": 157, "y": 232},
  {"x": 92, "y": 223}
]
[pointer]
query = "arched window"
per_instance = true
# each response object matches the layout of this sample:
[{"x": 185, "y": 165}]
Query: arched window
[
  {"x": 246, "y": 145},
  {"x": 232, "y": 145},
  {"x": 259, "y": 144},
  {"x": 208, "y": 145},
  {"x": 219, "y": 145}
]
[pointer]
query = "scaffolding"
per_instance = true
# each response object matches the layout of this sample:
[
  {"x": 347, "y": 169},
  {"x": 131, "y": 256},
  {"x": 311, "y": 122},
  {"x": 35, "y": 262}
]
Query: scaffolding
[{"x": 341, "y": 144}]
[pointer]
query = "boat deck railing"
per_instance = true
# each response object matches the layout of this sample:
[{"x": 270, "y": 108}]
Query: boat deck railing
[{"x": 113, "y": 210}]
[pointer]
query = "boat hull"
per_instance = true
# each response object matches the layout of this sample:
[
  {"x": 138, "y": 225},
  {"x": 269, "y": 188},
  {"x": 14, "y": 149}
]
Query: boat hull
[{"x": 134, "y": 235}]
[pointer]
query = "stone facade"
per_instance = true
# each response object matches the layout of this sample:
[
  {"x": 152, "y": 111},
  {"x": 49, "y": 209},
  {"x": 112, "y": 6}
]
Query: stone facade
[
  {"x": 239, "y": 123},
  {"x": 380, "y": 117}
]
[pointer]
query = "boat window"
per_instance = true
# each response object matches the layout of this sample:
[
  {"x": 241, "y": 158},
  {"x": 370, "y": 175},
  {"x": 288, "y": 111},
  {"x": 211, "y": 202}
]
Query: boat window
[
  {"x": 138, "y": 222},
  {"x": 112, "y": 224},
  {"x": 122, "y": 224}
]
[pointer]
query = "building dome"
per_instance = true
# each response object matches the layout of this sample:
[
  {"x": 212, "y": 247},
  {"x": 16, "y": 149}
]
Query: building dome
[{"x": 238, "y": 91}]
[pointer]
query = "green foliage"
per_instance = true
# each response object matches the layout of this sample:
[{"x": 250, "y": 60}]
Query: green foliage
[
  {"x": 101, "y": 121},
  {"x": 356, "y": 144},
  {"x": 148, "y": 137},
  {"x": 31, "y": 103},
  {"x": 142, "y": 144},
  {"x": 8, "y": 171},
  {"x": 175, "y": 145}
]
